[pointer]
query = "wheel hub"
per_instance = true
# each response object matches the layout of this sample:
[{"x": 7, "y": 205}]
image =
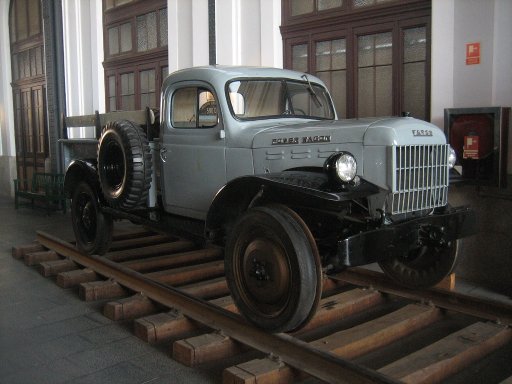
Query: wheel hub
[
  {"x": 87, "y": 216},
  {"x": 266, "y": 272},
  {"x": 259, "y": 271}
]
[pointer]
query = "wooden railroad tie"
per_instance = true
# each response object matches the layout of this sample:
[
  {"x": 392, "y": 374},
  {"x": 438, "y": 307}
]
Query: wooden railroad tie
[
  {"x": 74, "y": 278},
  {"x": 53, "y": 268}
]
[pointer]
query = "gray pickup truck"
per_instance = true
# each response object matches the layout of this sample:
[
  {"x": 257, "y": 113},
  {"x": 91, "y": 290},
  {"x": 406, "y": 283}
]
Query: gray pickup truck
[{"x": 256, "y": 161}]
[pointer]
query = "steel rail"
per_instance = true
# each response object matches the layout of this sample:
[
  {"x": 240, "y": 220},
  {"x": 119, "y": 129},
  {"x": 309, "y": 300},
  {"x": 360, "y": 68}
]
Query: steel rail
[
  {"x": 469, "y": 305},
  {"x": 292, "y": 351}
]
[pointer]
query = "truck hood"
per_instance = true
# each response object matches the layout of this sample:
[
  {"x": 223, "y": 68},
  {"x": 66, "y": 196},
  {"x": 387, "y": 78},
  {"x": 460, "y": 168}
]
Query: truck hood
[{"x": 368, "y": 131}]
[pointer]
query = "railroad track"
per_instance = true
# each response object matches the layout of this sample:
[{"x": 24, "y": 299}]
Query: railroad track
[{"x": 367, "y": 330}]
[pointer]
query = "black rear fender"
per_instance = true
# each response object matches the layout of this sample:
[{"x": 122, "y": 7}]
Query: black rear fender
[
  {"x": 81, "y": 170},
  {"x": 305, "y": 189}
]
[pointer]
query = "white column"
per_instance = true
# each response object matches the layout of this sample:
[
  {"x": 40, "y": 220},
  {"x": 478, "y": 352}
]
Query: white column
[
  {"x": 442, "y": 48},
  {"x": 271, "y": 40},
  {"x": 248, "y": 32},
  {"x": 83, "y": 56},
  {"x": 200, "y": 36},
  {"x": 7, "y": 143}
]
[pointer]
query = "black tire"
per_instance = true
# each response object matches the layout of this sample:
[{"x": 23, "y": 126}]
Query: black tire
[
  {"x": 124, "y": 165},
  {"x": 273, "y": 268},
  {"x": 93, "y": 229},
  {"x": 423, "y": 267}
]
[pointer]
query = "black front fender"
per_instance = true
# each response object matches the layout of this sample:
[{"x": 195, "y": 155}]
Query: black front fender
[
  {"x": 81, "y": 170},
  {"x": 292, "y": 188}
]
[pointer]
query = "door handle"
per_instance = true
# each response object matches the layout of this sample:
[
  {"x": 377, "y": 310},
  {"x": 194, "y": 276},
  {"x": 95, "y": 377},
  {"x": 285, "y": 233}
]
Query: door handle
[{"x": 163, "y": 154}]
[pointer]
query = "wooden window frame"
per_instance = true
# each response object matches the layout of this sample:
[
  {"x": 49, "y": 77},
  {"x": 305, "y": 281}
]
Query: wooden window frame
[
  {"x": 133, "y": 61},
  {"x": 349, "y": 24}
]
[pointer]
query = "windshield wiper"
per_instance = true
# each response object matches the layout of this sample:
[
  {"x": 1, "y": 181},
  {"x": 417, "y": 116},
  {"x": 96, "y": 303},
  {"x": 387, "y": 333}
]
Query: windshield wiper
[{"x": 315, "y": 97}]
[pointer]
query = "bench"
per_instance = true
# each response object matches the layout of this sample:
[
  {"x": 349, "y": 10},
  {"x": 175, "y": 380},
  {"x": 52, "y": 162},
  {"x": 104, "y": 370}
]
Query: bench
[{"x": 47, "y": 187}]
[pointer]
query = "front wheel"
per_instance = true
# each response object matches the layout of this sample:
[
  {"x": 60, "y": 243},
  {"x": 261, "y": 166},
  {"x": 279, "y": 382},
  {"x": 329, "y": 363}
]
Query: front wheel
[
  {"x": 422, "y": 267},
  {"x": 273, "y": 268},
  {"x": 93, "y": 229}
]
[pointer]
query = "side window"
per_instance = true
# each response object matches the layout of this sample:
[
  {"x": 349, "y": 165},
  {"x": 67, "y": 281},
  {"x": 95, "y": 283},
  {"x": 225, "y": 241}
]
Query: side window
[{"x": 194, "y": 107}]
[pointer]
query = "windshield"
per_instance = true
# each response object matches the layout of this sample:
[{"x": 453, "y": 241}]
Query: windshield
[{"x": 263, "y": 98}]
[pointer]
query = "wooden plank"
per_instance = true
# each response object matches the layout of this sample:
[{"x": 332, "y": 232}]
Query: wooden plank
[
  {"x": 366, "y": 337},
  {"x": 163, "y": 326},
  {"x": 205, "y": 348},
  {"x": 129, "y": 308},
  {"x": 101, "y": 290},
  {"x": 53, "y": 268},
  {"x": 152, "y": 250},
  {"x": 259, "y": 371},
  {"x": 173, "y": 324},
  {"x": 72, "y": 279},
  {"x": 450, "y": 355},
  {"x": 507, "y": 380},
  {"x": 174, "y": 260},
  {"x": 20, "y": 251},
  {"x": 342, "y": 305},
  {"x": 189, "y": 274},
  {"x": 448, "y": 283},
  {"x": 137, "y": 242},
  {"x": 360, "y": 339},
  {"x": 207, "y": 289},
  {"x": 138, "y": 117},
  {"x": 34, "y": 258}
]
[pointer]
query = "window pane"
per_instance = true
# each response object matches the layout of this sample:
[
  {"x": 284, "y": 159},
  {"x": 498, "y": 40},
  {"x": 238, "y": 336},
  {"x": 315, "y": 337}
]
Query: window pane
[
  {"x": 300, "y": 58},
  {"x": 21, "y": 20},
  {"x": 113, "y": 41},
  {"x": 152, "y": 34},
  {"x": 163, "y": 28},
  {"x": 383, "y": 48},
  {"x": 126, "y": 37},
  {"x": 383, "y": 91},
  {"x": 331, "y": 65},
  {"x": 300, "y": 7},
  {"x": 142, "y": 36},
  {"x": 414, "y": 89},
  {"x": 146, "y": 32},
  {"x": 375, "y": 91},
  {"x": 127, "y": 91},
  {"x": 207, "y": 109},
  {"x": 111, "y": 93},
  {"x": 365, "y": 92},
  {"x": 415, "y": 44},
  {"x": 147, "y": 88},
  {"x": 367, "y": 3},
  {"x": 184, "y": 108},
  {"x": 34, "y": 17},
  {"x": 328, "y": 4}
]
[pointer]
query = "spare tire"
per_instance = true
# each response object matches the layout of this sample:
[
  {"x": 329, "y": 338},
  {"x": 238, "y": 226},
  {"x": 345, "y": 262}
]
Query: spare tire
[{"x": 124, "y": 165}]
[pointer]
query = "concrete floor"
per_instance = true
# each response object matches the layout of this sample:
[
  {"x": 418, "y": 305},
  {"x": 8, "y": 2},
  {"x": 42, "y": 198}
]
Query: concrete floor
[{"x": 48, "y": 335}]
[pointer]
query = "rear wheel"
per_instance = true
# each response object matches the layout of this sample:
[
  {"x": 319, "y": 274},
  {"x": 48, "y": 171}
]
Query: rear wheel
[
  {"x": 273, "y": 268},
  {"x": 422, "y": 267},
  {"x": 93, "y": 229}
]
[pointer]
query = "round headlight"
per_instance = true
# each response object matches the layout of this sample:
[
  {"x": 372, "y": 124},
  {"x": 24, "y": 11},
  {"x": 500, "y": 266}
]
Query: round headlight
[
  {"x": 452, "y": 157},
  {"x": 342, "y": 167}
]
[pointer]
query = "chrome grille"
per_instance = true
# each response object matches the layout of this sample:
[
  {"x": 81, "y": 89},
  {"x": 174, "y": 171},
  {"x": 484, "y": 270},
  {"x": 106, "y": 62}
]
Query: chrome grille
[{"x": 420, "y": 177}]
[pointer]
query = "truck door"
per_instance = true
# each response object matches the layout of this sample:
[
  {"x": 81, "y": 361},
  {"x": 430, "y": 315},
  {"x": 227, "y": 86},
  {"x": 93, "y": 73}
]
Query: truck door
[{"x": 193, "y": 165}]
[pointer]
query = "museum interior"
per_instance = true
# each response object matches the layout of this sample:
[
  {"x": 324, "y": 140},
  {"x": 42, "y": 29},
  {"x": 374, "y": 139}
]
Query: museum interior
[{"x": 255, "y": 191}]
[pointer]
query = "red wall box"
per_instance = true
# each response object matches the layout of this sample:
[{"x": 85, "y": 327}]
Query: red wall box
[{"x": 480, "y": 139}]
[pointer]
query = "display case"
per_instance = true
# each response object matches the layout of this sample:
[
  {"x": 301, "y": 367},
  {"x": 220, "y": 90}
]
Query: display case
[{"x": 480, "y": 139}]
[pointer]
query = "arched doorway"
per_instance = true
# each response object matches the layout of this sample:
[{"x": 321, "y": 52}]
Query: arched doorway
[{"x": 28, "y": 86}]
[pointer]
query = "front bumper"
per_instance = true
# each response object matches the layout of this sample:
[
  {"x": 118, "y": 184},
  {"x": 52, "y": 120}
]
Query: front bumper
[{"x": 437, "y": 229}]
